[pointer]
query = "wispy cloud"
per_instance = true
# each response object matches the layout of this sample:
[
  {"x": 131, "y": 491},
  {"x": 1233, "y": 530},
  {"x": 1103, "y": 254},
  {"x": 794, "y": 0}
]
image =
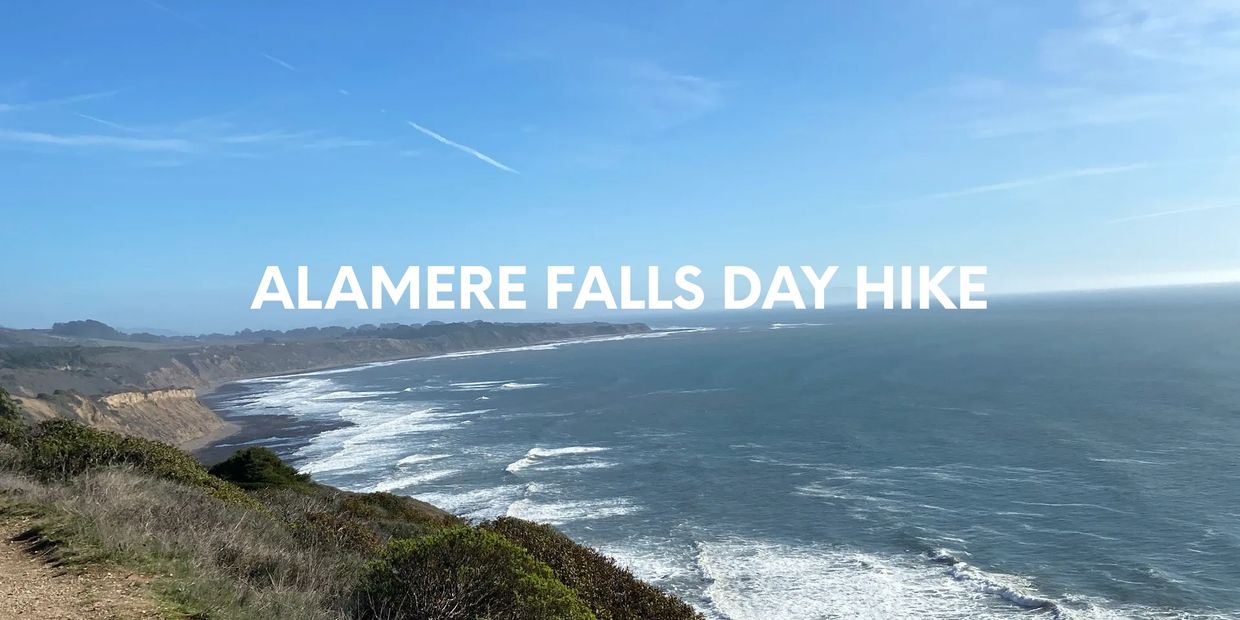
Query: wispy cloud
[
  {"x": 1021, "y": 110},
  {"x": 96, "y": 141},
  {"x": 264, "y": 137},
  {"x": 50, "y": 103},
  {"x": 202, "y": 137},
  {"x": 665, "y": 96},
  {"x": 1198, "y": 35},
  {"x": 278, "y": 139},
  {"x": 1014, "y": 184},
  {"x": 279, "y": 62},
  {"x": 331, "y": 143},
  {"x": 461, "y": 147},
  {"x": 1125, "y": 61},
  {"x": 1158, "y": 214}
]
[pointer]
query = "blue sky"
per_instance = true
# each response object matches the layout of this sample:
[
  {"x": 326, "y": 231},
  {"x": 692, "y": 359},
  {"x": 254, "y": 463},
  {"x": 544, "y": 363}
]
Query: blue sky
[{"x": 155, "y": 156}]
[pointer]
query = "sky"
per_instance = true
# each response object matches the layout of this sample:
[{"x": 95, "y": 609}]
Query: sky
[{"x": 155, "y": 156}]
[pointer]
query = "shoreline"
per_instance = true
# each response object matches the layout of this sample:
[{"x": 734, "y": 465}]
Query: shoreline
[
  {"x": 224, "y": 432},
  {"x": 207, "y": 442}
]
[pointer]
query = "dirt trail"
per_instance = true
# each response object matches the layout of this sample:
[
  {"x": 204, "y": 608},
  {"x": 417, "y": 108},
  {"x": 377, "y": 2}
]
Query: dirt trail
[{"x": 32, "y": 589}]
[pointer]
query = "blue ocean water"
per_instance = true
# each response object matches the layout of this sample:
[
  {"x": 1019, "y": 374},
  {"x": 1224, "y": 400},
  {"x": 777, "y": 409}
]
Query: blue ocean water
[{"x": 1059, "y": 457}]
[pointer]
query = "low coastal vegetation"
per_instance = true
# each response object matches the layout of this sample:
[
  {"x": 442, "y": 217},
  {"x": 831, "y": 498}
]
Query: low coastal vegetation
[{"x": 253, "y": 538}]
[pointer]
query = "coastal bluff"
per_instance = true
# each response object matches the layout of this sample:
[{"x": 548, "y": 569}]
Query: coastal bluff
[
  {"x": 148, "y": 386},
  {"x": 173, "y": 416}
]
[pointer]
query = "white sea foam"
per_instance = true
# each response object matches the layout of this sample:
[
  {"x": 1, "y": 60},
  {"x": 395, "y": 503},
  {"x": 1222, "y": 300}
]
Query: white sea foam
[
  {"x": 585, "y": 465},
  {"x": 370, "y": 438},
  {"x": 797, "y": 325},
  {"x": 476, "y": 383},
  {"x": 690, "y": 391},
  {"x": 402, "y": 483},
  {"x": 462, "y": 414},
  {"x": 417, "y": 459},
  {"x": 658, "y": 562},
  {"x": 484, "y": 503},
  {"x": 537, "y": 455},
  {"x": 286, "y": 396},
  {"x": 353, "y": 395},
  {"x": 560, "y": 512},
  {"x": 347, "y": 459},
  {"x": 488, "y": 386},
  {"x": 1013, "y": 590},
  {"x": 762, "y": 580},
  {"x": 513, "y": 385},
  {"x": 1128, "y": 461},
  {"x": 747, "y": 579}
]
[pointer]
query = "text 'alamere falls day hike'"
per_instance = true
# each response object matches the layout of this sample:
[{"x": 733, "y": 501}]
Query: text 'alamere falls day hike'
[{"x": 475, "y": 287}]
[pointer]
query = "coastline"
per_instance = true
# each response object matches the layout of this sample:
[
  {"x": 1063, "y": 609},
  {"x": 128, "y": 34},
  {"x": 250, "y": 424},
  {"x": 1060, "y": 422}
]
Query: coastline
[
  {"x": 224, "y": 432},
  {"x": 214, "y": 385},
  {"x": 207, "y": 444}
]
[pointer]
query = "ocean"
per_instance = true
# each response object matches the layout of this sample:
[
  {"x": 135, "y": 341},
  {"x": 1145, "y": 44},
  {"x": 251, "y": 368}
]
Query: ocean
[{"x": 1066, "y": 456}]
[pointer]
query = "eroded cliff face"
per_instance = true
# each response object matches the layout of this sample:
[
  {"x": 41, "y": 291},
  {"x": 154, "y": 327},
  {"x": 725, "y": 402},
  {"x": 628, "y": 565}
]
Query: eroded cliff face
[
  {"x": 173, "y": 415},
  {"x": 151, "y": 398}
]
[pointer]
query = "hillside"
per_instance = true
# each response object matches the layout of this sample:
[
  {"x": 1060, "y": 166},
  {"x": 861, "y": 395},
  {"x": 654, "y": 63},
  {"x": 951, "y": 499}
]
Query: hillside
[{"x": 252, "y": 538}]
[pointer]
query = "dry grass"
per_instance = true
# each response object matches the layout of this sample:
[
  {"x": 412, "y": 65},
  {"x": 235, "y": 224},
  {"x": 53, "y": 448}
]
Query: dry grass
[
  {"x": 291, "y": 548},
  {"x": 217, "y": 559}
]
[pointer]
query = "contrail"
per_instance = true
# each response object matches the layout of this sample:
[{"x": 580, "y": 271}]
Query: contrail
[
  {"x": 457, "y": 145},
  {"x": 279, "y": 62},
  {"x": 274, "y": 60}
]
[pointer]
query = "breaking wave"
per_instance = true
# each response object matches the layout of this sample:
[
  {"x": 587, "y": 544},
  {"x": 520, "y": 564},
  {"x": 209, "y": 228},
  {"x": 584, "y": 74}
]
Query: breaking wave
[
  {"x": 408, "y": 482},
  {"x": 538, "y": 455},
  {"x": 560, "y": 512},
  {"x": 415, "y": 459}
]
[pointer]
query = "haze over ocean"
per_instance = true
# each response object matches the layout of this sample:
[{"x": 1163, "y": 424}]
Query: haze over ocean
[{"x": 1071, "y": 456}]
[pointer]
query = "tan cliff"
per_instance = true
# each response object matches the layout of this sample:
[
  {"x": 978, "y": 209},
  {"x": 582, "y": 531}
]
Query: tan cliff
[{"x": 173, "y": 415}]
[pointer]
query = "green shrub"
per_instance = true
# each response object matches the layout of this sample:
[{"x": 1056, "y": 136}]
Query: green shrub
[
  {"x": 463, "y": 573},
  {"x": 395, "y": 516},
  {"x": 13, "y": 429},
  {"x": 610, "y": 591},
  {"x": 9, "y": 409},
  {"x": 360, "y": 522},
  {"x": 62, "y": 449},
  {"x": 258, "y": 468},
  {"x": 335, "y": 529}
]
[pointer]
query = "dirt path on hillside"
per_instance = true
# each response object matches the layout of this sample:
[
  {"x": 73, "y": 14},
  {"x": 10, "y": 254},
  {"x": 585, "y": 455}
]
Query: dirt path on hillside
[{"x": 33, "y": 589}]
